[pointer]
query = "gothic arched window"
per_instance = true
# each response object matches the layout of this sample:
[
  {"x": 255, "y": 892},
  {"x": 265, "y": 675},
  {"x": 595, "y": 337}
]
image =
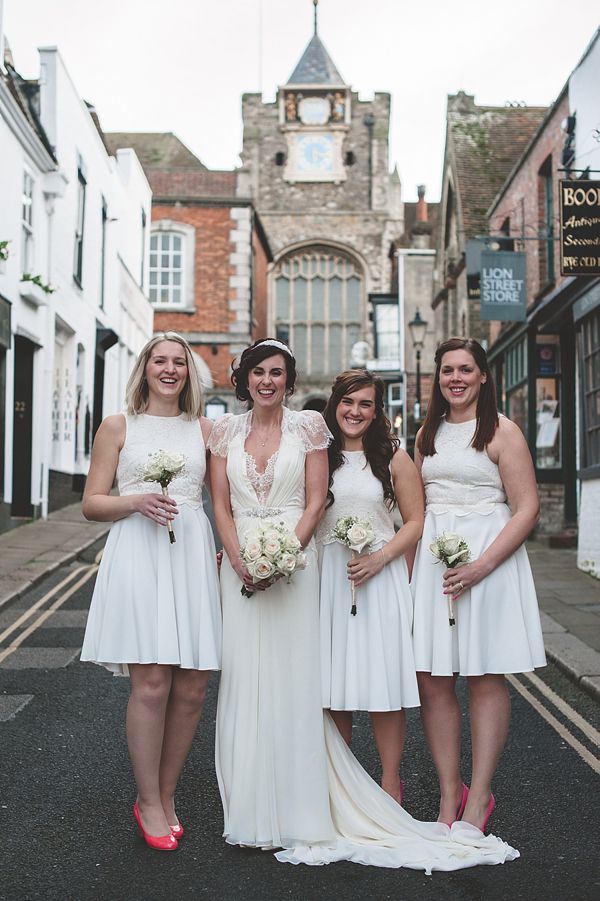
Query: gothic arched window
[{"x": 318, "y": 308}]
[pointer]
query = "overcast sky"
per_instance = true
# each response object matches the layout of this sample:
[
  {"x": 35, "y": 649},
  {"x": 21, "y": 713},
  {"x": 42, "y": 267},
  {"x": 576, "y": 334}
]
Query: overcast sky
[{"x": 182, "y": 65}]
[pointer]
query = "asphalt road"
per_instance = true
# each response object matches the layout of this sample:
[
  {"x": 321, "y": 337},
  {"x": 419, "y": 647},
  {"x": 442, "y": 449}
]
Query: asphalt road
[{"x": 66, "y": 792}]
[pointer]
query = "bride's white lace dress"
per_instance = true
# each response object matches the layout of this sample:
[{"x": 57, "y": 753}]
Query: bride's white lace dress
[{"x": 286, "y": 777}]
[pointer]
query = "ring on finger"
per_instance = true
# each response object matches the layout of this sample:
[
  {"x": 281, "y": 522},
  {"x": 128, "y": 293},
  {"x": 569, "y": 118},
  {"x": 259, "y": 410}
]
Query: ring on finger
[{"x": 461, "y": 585}]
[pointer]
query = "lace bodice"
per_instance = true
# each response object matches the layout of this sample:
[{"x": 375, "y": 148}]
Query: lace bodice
[
  {"x": 357, "y": 492},
  {"x": 148, "y": 434},
  {"x": 457, "y": 477},
  {"x": 280, "y": 490}
]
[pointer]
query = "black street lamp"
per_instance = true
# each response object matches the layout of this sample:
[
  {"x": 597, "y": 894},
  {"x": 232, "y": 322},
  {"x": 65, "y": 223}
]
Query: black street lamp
[{"x": 418, "y": 328}]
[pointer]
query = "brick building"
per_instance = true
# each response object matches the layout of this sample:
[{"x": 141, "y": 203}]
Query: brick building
[
  {"x": 483, "y": 143},
  {"x": 208, "y": 257}
]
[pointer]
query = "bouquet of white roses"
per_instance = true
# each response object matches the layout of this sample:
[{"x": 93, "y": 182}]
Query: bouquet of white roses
[
  {"x": 271, "y": 550},
  {"x": 452, "y": 550},
  {"x": 162, "y": 467},
  {"x": 357, "y": 534}
]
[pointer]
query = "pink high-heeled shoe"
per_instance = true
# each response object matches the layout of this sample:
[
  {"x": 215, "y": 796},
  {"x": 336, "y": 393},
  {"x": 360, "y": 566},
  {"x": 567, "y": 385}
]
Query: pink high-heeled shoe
[
  {"x": 156, "y": 842},
  {"x": 463, "y": 802},
  {"x": 490, "y": 807}
]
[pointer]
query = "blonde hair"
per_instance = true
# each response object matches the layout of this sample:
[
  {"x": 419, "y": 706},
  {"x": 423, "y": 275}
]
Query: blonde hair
[{"x": 136, "y": 392}]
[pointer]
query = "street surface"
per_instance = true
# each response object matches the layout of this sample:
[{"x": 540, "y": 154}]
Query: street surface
[{"x": 66, "y": 788}]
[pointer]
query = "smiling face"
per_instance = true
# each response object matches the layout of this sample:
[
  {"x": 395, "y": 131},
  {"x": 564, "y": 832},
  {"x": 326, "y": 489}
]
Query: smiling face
[
  {"x": 354, "y": 414},
  {"x": 267, "y": 382},
  {"x": 460, "y": 383},
  {"x": 166, "y": 370}
]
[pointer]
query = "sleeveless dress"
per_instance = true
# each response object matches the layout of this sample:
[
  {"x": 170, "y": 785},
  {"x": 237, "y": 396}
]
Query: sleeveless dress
[
  {"x": 366, "y": 660},
  {"x": 497, "y": 621},
  {"x": 157, "y": 602},
  {"x": 287, "y": 778}
]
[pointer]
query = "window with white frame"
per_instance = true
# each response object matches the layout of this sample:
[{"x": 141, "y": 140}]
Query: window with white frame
[
  {"x": 318, "y": 308},
  {"x": 27, "y": 222},
  {"x": 167, "y": 268}
]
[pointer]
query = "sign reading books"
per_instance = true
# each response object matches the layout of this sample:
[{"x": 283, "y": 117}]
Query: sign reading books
[
  {"x": 503, "y": 289},
  {"x": 579, "y": 227}
]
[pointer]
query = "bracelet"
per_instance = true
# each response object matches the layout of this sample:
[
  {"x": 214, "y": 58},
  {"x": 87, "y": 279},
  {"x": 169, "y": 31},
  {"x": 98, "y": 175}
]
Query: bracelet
[{"x": 383, "y": 555}]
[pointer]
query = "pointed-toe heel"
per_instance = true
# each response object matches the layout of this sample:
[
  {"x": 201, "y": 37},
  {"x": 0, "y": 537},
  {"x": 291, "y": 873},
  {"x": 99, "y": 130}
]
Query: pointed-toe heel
[{"x": 156, "y": 842}]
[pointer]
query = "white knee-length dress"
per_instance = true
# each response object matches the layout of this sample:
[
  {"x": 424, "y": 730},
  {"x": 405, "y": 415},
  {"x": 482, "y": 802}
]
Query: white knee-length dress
[
  {"x": 497, "y": 621},
  {"x": 367, "y": 660},
  {"x": 157, "y": 602}
]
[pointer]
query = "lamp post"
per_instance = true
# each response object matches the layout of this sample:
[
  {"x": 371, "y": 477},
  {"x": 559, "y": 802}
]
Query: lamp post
[{"x": 418, "y": 328}]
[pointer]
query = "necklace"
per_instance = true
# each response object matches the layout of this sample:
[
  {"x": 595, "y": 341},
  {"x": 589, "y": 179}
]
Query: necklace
[{"x": 274, "y": 429}]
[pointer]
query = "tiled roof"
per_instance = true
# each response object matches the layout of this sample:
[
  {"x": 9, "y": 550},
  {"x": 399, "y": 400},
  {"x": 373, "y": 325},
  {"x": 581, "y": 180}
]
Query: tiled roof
[
  {"x": 316, "y": 66},
  {"x": 486, "y": 142},
  {"x": 191, "y": 182},
  {"x": 155, "y": 149}
]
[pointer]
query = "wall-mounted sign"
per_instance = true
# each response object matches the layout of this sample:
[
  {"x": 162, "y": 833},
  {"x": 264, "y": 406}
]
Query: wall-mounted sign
[
  {"x": 547, "y": 359},
  {"x": 579, "y": 227},
  {"x": 503, "y": 293}
]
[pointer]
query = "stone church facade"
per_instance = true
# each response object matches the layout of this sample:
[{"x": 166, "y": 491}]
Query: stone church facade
[{"x": 315, "y": 165}]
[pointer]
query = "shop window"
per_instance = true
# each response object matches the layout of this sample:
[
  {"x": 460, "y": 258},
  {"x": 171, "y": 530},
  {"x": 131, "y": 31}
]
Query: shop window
[
  {"x": 547, "y": 403},
  {"x": 515, "y": 385},
  {"x": 590, "y": 377}
]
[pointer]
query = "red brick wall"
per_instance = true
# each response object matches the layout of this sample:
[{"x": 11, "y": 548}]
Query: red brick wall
[
  {"x": 212, "y": 269},
  {"x": 523, "y": 203},
  {"x": 219, "y": 363}
]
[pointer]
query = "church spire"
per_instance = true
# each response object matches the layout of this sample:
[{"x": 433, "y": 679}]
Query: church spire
[{"x": 316, "y": 66}]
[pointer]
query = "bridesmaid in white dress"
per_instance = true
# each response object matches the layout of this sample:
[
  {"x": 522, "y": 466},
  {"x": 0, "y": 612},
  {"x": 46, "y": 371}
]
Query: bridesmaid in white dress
[
  {"x": 471, "y": 461},
  {"x": 287, "y": 778},
  {"x": 367, "y": 660},
  {"x": 155, "y": 612}
]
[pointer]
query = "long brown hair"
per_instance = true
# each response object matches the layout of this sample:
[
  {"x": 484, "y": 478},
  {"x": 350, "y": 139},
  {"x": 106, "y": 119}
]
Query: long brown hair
[
  {"x": 379, "y": 443},
  {"x": 487, "y": 411}
]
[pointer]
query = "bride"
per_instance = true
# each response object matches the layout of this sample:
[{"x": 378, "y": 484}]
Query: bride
[{"x": 287, "y": 779}]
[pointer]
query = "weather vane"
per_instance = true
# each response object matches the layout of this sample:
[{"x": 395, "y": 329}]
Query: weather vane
[{"x": 316, "y": 3}]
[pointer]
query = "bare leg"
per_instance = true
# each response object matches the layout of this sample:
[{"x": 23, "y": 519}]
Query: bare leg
[
  {"x": 188, "y": 690},
  {"x": 389, "y": 729},
  {"x": 146, "y": 710},
  {"x": 490, "y": 719},
  {"x": 442, "y": 721},
  {"x": 343, "y": 721}
]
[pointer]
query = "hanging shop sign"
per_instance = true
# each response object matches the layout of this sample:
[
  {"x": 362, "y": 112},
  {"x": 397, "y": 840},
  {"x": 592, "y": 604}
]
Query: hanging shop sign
[
  {"x": 579, "y": 227},
  {"x": 503, "y": 290}
]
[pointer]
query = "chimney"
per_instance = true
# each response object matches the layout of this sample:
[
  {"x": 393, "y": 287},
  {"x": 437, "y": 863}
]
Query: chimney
[{"x": 421, "y": 204}]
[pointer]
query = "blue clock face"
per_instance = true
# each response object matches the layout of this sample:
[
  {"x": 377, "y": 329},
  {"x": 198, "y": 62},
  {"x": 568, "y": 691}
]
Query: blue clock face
[{"x": 315, "y": 153}]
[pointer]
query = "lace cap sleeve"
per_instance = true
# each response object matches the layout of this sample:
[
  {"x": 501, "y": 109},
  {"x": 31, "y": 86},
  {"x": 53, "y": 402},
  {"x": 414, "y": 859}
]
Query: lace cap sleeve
[
  {"x": 220, "y": 436},
  {"x": 310, "y": 428}
]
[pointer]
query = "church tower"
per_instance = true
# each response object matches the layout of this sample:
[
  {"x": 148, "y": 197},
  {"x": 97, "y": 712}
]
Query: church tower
[{"x": 315, "y": 164}]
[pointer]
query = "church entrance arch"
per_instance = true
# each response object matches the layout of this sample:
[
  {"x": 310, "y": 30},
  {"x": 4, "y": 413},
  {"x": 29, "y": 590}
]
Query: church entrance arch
[{"x": 319, "y": 302}]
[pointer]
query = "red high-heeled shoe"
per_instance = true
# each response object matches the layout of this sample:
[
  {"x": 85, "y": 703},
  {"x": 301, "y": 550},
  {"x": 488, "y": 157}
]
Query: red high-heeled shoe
[
  {"x": 177, "y": 831},
  {"x": 156, "y": 842}
]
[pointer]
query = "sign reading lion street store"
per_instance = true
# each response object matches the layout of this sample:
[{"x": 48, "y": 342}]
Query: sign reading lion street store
[
  {"x": 503, "y": 292},
  {"x": 579, "y": 227}
]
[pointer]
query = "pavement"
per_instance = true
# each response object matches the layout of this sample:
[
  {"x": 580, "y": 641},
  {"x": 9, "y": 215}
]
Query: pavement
[{"x": 569, "y": 599}]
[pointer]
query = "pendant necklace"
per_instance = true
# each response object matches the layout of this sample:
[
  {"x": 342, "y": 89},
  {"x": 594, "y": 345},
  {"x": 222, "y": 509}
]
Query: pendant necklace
[{"x": 264, "y": 443}]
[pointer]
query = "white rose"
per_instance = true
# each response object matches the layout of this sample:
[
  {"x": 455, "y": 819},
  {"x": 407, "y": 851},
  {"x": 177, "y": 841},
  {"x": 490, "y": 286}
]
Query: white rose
[
  {"x": 263, "y": 569},
  {"x": 266, "y": 525},
  {"x": 272, "y": 535},
  {"x": 272, "y": 547},
  {"x": 287, "y": 564},
  {"x": 292, "y": 542},
  {"x": 435, "y": 550},
  {"x": 451, "y": 543},
  {"x": 252, "y": 550},
  {"x": 172, "y": 461},
  {"x": 359, "y": 537},
  {"x": 301, "y": 561}
]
